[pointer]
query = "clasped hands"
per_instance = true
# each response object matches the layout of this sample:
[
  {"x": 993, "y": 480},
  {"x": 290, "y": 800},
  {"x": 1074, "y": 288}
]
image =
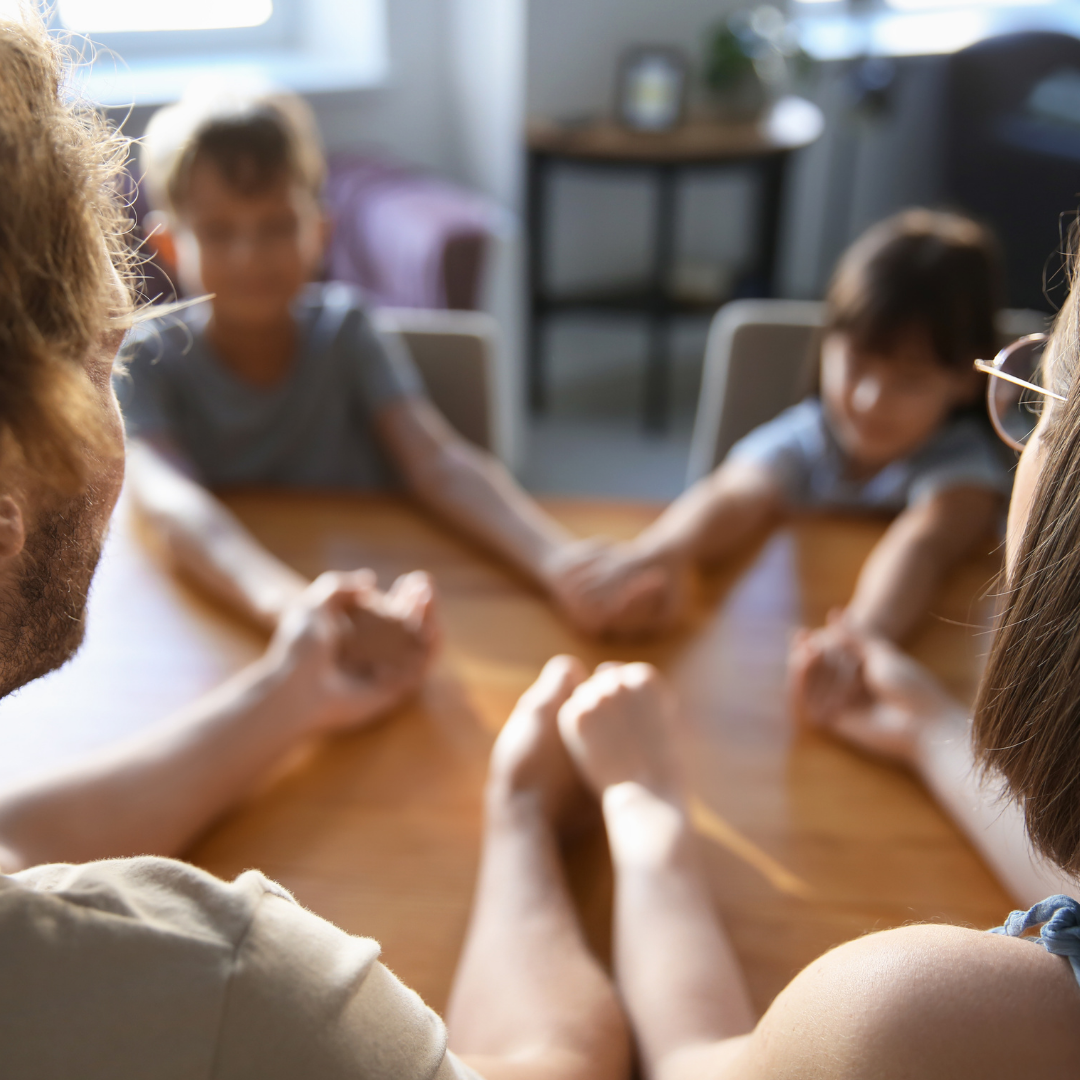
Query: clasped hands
[
  {"x": 867, "y": 692},
  {"x": 349, "y": 652},
  {"x": 615, "y": 589}
]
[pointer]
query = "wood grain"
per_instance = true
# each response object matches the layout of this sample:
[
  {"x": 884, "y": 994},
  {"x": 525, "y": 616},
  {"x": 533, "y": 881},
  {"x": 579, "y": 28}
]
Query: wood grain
[{"x": 807, "y": 844}]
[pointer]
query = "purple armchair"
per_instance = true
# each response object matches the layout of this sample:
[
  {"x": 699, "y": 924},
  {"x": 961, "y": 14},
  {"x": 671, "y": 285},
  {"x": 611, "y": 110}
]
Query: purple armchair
[{"x": 408, "y": 239}]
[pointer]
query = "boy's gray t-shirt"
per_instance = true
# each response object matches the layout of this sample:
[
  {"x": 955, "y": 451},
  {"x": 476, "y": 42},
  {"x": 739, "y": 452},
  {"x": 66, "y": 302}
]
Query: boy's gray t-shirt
[
  {"x": 798, "y": 448},
  {"x": 313, "y": 429}
]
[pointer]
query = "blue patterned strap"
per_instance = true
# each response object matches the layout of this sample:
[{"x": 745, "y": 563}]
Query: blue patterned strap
[{"x": 1059, "y": 917}]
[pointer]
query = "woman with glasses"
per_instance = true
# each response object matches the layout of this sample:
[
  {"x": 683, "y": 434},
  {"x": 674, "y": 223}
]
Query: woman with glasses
[{"x": 929, "y": 1001}]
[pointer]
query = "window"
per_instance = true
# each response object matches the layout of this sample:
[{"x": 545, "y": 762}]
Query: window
[
  {"x": 146, "y": 52},
  {"x": 118, "y": 16},
  {"x": 142, "y": 29},
  {"x": 928, "y": 5}
]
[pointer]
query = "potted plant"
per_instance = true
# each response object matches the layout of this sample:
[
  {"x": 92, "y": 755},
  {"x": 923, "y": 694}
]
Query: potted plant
[{"x": 751, "y": 57}]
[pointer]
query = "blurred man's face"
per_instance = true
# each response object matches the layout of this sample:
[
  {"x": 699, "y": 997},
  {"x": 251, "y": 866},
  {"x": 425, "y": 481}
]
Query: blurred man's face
[
  {"x": 43, "y": 589},
  {"x": 254, "y": 252}
]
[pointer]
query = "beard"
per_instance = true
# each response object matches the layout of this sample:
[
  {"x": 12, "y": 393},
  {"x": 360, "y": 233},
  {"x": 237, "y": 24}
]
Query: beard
[{"x": 43, "y": 612}]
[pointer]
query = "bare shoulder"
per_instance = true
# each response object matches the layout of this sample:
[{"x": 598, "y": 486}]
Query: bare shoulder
[{"x": 922, "y": 1001}]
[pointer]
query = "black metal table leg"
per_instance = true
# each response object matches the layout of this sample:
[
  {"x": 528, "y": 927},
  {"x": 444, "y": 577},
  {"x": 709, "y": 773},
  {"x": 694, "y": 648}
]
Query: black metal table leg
[
  {"x": 536, "y": 180},
  {"x": 772, "y": 185},
  {"x": 657, "y": 373}
]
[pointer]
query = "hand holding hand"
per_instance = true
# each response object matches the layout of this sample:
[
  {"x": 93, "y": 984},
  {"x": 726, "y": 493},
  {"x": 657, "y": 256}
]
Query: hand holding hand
[
  {"x": 825, "y": 670},
  {"x": 619, "y": 726},
  {"x": 352, "y": 651},
  {"x": 608, "y": 588},
  {"x": 899, "y": 703}
]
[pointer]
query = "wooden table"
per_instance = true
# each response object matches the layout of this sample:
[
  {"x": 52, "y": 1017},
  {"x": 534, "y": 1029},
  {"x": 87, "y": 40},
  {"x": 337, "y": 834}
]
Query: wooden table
[
  {"x": 761, "y": 146},
  {"x": 378, "y": 831}
]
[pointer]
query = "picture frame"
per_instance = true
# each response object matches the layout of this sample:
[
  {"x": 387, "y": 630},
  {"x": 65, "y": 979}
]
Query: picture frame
[{"x": 651, "y": 88}]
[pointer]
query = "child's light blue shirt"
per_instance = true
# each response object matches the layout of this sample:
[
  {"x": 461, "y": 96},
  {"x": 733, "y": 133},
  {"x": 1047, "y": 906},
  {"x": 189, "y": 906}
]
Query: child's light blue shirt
[{"x": 799, "y": 449}]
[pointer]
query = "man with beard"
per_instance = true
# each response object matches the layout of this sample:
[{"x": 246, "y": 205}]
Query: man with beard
[{"x": 142, "y": 966}]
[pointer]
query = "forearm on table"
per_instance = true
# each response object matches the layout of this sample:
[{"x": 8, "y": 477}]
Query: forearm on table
[
  {"x": 155, "y": 792},
  {"x": 992, "y": 823},
  {"x": 209, "y": 544},
  {"x": 897, "y": 585},
  {"x": 528, "y": 998},
  {"x": 676, "y": 970},
  {"x": 715, "y": 517},
  {"x": 901, "y": 576},
  {"x": 474, "y": 493}
]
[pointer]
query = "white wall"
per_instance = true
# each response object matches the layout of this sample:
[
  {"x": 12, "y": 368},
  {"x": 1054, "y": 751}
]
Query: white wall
[
  {"x": 600, "y": 227},
  {"x": 411, "y": 116}
]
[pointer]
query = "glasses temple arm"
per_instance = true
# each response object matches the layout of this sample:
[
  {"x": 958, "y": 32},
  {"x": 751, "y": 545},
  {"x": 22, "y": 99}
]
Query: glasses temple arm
[{"x": 989, "y": 369}]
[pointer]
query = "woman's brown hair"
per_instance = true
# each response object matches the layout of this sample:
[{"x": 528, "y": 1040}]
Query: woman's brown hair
[
  {"x": 1027, "y": 714},
  {"x": 63, "y": 233}
]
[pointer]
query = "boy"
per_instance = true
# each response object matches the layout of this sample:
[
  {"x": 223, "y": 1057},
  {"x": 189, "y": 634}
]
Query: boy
[{"x": 278, "y": 381}]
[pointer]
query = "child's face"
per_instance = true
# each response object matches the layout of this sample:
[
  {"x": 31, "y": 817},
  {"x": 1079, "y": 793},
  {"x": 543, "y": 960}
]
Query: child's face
[
  {"x": 884, "y": 406},
  {"x": 253, "y": 252}
]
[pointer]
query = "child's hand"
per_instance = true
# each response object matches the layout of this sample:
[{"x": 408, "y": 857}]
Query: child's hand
[
  {"x": 825, "y": 671},
  {"x": 350, "y": 651},
  {"x": 619, "y": 726},
  {"x": 896, "y": 703},
  {"x": 608, "y": 588}
]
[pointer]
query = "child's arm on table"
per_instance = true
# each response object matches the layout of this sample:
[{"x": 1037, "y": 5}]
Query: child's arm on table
[
  {"x": 904, "y": 715},
  {"x": 471, "y": 490},
  {"x": 901, "y": 576},
  {"x": 206, "y": 541},
  {"x": 894, "y": 591},
  {"x": 702, "y": 527}
]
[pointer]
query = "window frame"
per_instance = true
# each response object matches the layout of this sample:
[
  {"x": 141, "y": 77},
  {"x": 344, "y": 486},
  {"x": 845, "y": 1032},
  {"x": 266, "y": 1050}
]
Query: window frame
[{"x": 282, "y": 28}]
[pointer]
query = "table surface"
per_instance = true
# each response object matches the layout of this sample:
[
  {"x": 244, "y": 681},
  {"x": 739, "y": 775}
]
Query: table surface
[
  {"x": 806, "y": 843},
  {"x": 789, "y": 124}
]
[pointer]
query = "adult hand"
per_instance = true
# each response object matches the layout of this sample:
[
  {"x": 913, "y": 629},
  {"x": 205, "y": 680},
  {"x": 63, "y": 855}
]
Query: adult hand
[
  {"x": 825, "y": 670},
  {"x": 899, "y": 704},
  {"x": 611, "y": 589},
  {"x": 351, "y": 651},
  {"x": 619, "y": 726}
]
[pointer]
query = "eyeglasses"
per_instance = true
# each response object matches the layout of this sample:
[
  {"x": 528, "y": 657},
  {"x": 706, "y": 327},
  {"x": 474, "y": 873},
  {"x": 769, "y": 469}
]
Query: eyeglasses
[{"x": 1015, "y": 394}]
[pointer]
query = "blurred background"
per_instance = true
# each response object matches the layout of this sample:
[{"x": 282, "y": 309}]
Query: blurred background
[{"x": 602, "y": 176}]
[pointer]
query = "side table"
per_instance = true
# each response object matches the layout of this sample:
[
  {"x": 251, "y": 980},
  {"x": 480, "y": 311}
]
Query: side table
[{"x": 765, "y": 144}]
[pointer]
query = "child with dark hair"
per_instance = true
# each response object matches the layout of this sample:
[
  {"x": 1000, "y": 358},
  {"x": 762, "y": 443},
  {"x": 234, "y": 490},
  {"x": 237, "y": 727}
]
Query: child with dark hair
[
  {"x": 278, "y": 379},
  {"x": 894, "y": 426}
]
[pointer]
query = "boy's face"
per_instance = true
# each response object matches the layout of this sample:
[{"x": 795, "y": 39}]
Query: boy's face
[
  {"x": 884, "y": 406},
  {"x": 254, "y": 252}
]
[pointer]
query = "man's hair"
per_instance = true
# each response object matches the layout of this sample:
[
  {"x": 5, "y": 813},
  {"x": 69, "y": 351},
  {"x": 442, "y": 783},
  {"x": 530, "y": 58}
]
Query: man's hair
[
  {"x": 62, "y": 233},
  {"x": 253, "y": 140},
  {"x": 937, "y": 273},
  {"x": 1027, "y": 714}
]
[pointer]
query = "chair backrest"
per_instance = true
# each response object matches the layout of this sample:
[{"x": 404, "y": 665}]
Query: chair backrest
[
  {"x": 757, "y": 361},
  {"x": 454, "y": 352},
  {"x": 756, "y": 358}
]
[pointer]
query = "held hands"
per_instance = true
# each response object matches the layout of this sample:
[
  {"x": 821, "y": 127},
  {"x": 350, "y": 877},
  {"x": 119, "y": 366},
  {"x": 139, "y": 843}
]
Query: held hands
[
  {"x": 351, "y": 652},
  {"x": 890, "y": 704},
  {"x": 825, "y": 670},
  {"x": 610, "y": 589},
  {"x": 616, "y": 726}
]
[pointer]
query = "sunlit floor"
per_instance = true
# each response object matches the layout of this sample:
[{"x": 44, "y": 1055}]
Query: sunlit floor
[{"x": 591, "y": 440}]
